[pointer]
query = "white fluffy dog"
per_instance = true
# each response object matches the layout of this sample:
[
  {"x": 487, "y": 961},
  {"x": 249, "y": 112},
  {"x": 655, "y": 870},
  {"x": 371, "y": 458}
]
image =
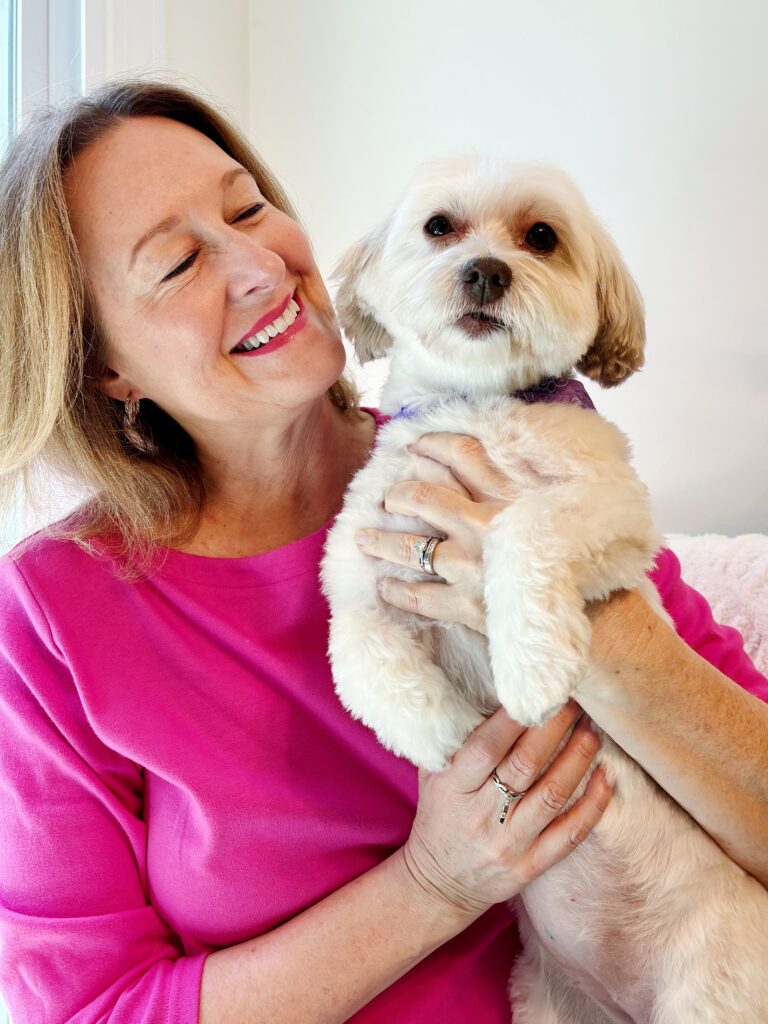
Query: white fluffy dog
[{"x": 487, "y": 279}]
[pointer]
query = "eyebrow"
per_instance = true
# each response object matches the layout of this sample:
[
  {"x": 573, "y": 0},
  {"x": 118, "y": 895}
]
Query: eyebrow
[{"x": 171, "y": 222}]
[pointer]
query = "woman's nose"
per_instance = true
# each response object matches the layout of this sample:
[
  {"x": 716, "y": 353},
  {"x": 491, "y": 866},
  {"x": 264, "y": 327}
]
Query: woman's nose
[{"x": 251, "y": 268}]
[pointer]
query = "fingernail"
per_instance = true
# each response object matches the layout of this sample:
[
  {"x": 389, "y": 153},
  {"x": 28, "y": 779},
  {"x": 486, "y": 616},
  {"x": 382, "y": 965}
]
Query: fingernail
[{"x": 361, "y": 538}]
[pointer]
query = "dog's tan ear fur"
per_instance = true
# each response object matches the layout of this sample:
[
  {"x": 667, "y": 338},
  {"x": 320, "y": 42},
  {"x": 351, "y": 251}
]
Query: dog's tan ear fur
[
  {"x": 618, "y": 348},
  {"x": 370, "y": 339}
]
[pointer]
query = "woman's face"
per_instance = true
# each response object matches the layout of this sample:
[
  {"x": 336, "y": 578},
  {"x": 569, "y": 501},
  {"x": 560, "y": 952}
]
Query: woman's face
[{"x": 185, "y": 258}]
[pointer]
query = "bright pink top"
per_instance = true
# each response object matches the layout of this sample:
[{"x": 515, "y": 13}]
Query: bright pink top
[{"x": 177, "y": 775}]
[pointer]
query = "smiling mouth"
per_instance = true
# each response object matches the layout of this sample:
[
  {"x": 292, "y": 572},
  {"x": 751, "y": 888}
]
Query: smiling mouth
[{"x": 271, "y": 330}]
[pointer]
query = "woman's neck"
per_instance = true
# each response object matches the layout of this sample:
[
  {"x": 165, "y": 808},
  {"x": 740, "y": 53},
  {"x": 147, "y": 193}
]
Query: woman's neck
[{"x": 286, "y": 489}]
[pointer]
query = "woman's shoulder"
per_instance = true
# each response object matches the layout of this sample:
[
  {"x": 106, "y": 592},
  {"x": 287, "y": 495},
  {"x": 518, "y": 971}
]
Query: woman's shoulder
[
  {"x": 49, "y": 547},
  {"x": 50, "y": 565},
  {"x": 38, "y": 574}
]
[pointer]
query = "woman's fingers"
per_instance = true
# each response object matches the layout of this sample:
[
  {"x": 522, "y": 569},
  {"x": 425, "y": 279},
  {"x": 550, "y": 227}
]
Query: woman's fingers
[
  {"x": 437, "y": 473},
  {"x": 515, "y": 752},
  {"x": 526, "y": 760},
  {"x": 439, "y": 601},
  {"x": 467, "y": 459},
  {"x": 435, "y": 601},
  {"x": 567, "y": 831},
  {"x": 441, "y": 507},
  {"x": 483, "y": 749},
  {"x": 404, "y": 549},
  {"x": 547, "y": 798},
  {"x": 459, "y": 846}
]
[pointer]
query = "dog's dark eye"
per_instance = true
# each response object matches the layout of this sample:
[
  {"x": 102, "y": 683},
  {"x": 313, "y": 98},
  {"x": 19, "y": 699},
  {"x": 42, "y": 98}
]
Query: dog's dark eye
[
  {"x": 437, "y": 226},
  {"x": 541, "y": 237}
]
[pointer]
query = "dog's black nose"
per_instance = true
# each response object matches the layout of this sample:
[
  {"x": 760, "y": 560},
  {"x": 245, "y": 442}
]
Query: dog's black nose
[{"x": 485, "y": 279}]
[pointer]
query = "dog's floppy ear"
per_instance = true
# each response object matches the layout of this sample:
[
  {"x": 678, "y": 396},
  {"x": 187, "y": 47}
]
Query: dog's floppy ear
[
  {"x": 618, "y": 348},
  {"x": 370, "y": 339}
]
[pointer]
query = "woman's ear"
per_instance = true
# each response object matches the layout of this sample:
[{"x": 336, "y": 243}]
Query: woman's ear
[
  {"x": 115, "y": 386},
  {"x": 619, "y": 344},
  {"x": 370, "y": 339}
]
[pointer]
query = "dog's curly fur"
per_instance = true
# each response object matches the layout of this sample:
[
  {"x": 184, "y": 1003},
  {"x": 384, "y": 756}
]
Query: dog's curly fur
[{"x": 651, "y": 924}]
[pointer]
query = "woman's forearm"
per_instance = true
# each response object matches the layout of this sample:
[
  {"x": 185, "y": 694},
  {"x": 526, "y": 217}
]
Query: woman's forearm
[
  {"x": 327, "y": 962},
  {"x": 666, "y": 706}
]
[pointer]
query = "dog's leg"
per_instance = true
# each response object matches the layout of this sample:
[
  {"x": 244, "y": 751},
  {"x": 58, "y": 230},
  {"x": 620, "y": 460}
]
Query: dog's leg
[
  {"x": 384, "y": 675},
  {"x": 382, "y": 659},
  {"x": 541, "y": 993},
  {"x": 545, "y": 555},
  {"x": 538, "y": 633},
  {"x": 710, "y": 997},
  {"x": 714, "y": 967}
]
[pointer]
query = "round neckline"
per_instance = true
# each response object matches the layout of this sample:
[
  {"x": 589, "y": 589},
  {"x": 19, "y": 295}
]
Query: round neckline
[
  {"x": 292, "y": 559},
  {"x": 288, "y": 560}
]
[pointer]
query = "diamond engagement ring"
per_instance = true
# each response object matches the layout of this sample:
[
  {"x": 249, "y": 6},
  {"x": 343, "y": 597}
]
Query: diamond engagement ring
[
  {"x": 509, "y": 796},
  {"x": 425, "y": 549}
]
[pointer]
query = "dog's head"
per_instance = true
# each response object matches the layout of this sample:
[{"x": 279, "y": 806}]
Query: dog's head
[{"x": 496, "y": 273}]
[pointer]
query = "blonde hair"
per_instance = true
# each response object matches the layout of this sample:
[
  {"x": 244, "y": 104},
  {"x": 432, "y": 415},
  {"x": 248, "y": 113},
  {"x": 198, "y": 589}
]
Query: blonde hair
[{"x": 146, "y": 485}]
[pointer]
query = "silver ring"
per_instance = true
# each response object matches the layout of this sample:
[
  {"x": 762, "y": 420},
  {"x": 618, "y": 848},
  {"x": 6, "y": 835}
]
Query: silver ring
[
  {"x": 509, "y": 796},
  {"x": 425, "y": 549}
]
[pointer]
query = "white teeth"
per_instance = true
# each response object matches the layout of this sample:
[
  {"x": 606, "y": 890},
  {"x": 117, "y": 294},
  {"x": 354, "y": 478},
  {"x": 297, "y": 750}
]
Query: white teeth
[{"x": 278, "y": 326}]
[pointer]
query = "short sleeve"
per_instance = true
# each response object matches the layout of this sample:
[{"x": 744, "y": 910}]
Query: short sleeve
[
  {"x": 721, "y": 646},
  {"x": 79, "y": 938}
]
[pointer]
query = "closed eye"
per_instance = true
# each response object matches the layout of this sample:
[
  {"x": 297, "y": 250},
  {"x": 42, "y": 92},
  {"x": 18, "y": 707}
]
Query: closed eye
[
  {"x": 187, "y": 263},
  {"x": 182, "y": 266},
  {"x": 250, "y": 212}
]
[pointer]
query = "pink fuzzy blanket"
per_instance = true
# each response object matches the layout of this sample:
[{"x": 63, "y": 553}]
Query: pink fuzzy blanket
[{"x": 732, "y": 573}]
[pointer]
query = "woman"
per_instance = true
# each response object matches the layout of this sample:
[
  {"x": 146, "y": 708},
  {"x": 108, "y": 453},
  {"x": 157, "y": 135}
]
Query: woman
[{"x": 194, "y": 828}]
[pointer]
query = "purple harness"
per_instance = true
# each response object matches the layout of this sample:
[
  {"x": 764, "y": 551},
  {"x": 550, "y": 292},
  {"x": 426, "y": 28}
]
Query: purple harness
[{"x": 566, "y": 390}]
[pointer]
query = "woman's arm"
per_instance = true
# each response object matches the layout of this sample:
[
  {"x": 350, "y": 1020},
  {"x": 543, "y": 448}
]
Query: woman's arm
[
  {"x": 332, "y": 959},
  {"x": 698, "y": 734}
]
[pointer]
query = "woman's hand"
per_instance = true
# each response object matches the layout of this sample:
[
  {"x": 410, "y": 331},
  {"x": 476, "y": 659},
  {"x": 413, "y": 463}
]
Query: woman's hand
[
  {"x": 462, "y": 509},
  {"x": 460, "y": 854}
]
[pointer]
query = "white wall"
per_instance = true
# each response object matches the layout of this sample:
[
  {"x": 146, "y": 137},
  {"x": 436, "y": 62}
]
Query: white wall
[
  {"x": 658, "y": 110},
  {"x": 202, "y": 43}
]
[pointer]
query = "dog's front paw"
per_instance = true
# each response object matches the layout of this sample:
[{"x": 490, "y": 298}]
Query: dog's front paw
[
  {"x": 385, "y": 676},
  {"x": 538, "y": 692},
  {"x": 533, "y": 681},
  {"x": 430, "y": 738}
]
